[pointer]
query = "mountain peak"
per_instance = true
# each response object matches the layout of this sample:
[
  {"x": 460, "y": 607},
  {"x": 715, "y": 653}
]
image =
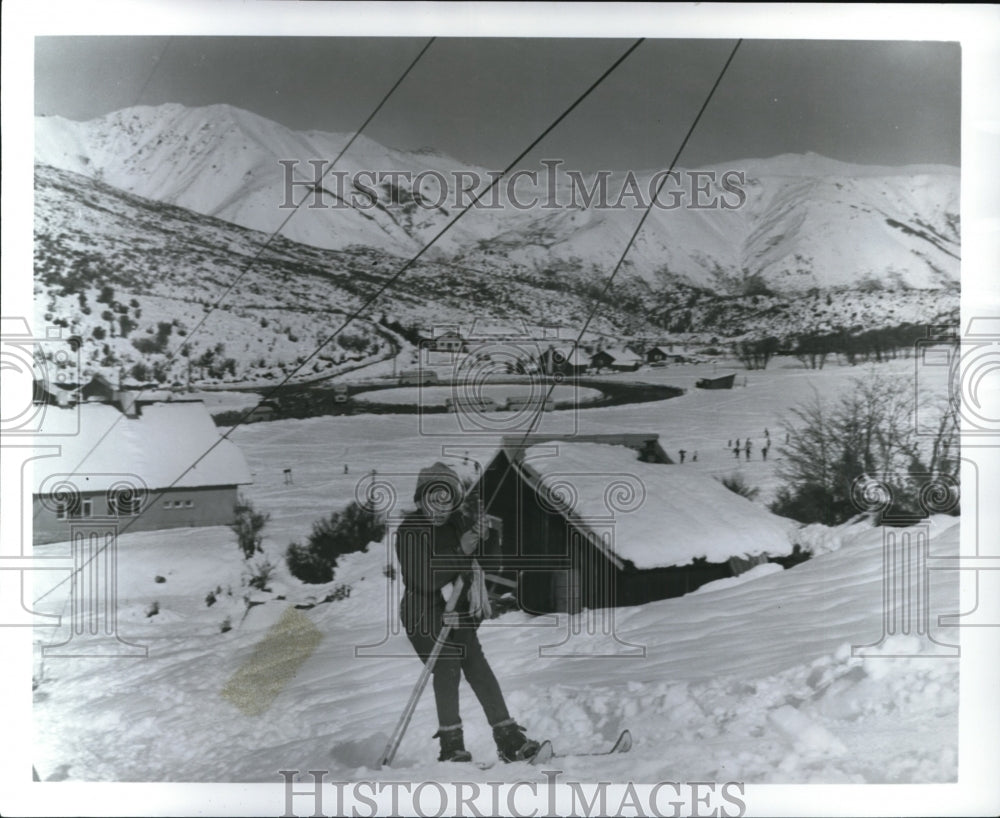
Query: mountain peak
[{"x": 803, "y": 220}]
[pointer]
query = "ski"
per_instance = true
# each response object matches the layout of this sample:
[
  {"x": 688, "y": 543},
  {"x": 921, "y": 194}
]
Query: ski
[
  {"x": 546, "y": 752},
  {"x": 622, "y": 745}
]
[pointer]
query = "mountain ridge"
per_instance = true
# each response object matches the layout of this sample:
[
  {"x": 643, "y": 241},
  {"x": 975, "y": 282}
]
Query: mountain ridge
[{"x": 802, "y": 221}]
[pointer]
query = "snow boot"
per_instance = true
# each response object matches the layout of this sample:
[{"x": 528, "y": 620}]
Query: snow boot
[
  {"x": 452, "y": 744},
  {"x": 512, "y": 744}
]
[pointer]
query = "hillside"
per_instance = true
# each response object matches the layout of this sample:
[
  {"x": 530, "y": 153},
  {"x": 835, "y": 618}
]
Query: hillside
[
  {"x": 800, "y": 222},
  {"x": 138, "y": 282}
]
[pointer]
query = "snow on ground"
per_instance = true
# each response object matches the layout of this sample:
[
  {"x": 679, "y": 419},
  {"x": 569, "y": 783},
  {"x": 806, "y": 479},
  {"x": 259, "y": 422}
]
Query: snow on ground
[{"x": 749, "y": 681}]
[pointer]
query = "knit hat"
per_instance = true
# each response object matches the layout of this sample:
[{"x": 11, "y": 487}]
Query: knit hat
[{"x": 442, "y": 487}]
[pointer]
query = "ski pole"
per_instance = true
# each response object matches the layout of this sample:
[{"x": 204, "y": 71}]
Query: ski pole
[{"x": 397, "y": 735}]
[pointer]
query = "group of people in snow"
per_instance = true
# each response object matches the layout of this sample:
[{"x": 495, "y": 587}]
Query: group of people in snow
[{"x": 747, "y": 446}]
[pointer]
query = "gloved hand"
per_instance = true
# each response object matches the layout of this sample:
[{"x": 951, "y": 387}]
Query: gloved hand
[{"x": 471, "y": 539}]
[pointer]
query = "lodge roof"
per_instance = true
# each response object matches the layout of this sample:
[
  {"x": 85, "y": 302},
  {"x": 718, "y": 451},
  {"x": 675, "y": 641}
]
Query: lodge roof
[
  {"x": 168, "y": 444},
  {"x": 661, "y": 514}
]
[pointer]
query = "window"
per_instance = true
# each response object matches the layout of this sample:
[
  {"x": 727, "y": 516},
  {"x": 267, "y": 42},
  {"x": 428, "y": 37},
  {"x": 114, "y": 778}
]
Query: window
[
  {"x": 188, "y": 504},
  {"x": 81, "y": 508},
  {"x": 125, "y": 503},
  {"x": 74, "y": 509}
]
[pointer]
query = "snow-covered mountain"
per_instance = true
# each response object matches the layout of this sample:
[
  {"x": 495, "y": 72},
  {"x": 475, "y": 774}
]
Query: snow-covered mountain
[{"x": 793, "y": 222}]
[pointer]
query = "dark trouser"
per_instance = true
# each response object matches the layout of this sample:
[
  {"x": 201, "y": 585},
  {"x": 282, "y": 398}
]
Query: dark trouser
[{"x": 461, "y": 653}]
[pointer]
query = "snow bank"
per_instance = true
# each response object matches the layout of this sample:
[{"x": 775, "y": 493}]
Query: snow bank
[{"x": 669, "y": 515}]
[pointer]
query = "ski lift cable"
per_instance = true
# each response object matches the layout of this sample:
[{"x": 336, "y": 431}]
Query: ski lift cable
[
  {"x": 409, "y": 263},
  {"x": 382, "y": 289},
  {"x": 598, "y": 299},
  {"x": 267, "y": 242}
]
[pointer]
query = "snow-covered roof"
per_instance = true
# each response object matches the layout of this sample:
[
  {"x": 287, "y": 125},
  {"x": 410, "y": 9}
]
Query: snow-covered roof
[
  {"x": 575, "y": 358},
  {"x": 159, "y": 446},
  {"x": 622, "y": 356},
  {"x": 684, "y": 515}
]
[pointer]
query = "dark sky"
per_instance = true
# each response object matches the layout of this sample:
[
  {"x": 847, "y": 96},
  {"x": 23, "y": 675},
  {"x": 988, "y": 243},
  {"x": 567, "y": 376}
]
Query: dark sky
[{"x": 483, "y": 100}]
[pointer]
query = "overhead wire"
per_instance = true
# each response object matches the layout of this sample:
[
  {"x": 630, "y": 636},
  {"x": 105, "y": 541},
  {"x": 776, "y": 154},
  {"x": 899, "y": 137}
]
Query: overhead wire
[
  {"x": 599, "y": 298},
  {"x": 382, "y": 289}
]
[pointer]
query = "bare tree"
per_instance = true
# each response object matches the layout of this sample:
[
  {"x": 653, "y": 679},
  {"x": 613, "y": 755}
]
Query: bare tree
[{"x": 870, "y": 430}]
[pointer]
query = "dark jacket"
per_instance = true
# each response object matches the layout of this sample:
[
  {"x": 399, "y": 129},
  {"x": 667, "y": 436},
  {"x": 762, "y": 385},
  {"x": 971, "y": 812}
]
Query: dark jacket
[{"x": 430, "y": 557}]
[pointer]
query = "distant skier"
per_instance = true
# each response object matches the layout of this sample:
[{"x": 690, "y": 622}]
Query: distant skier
[
  {"x": 683, "y": 454},
  {"x": 694, "y": 457},
  {"x": 763, "y": 451},
  {"x": 435, "y": 546},
  {"x": 747, "y": 447},
  {"x": 736, "y": 451}
]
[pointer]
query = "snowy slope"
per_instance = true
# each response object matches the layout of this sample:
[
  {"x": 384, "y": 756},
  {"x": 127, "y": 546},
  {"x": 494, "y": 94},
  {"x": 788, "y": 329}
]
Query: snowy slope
[
  {"x": 806, "y": 221},
  {"x": 751, "y": 681}
]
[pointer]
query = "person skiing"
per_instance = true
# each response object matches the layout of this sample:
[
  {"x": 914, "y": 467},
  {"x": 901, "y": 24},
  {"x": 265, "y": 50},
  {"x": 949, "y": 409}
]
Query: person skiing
[{"x": 435, "y": 547}]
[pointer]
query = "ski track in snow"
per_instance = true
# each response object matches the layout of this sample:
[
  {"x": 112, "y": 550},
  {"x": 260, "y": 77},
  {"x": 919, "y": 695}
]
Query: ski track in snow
[{"x": 748, "y": 680}]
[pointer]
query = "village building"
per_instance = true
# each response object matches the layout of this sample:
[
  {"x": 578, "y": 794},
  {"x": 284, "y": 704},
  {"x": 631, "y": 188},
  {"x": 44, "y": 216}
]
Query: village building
[
  {"x": 564, "y": 360},
  {"x": 608, "y": 520},
  {"x": 164, "y": 466},
  {"x": 449, "y": 342},
  {"x": 656, "y": 354},
  {"x": 716, "y": 381},
  {"x": 617, "y": 360},
  {"x": 263, "y": 411}
]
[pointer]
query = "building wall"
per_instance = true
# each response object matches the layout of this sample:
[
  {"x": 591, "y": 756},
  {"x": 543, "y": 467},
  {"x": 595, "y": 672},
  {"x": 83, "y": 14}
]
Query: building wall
[{"x": 187, "y": 507}]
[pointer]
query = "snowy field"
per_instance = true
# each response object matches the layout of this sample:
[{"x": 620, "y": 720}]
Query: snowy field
[{"x": 749, "y": 679}]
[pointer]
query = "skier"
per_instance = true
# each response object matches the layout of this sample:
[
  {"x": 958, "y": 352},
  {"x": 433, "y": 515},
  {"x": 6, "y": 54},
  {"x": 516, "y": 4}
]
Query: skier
[
  {"x": 683, "y": 454},
  {"x": 435, "y": 546},
  {"x": 746, "y": 448}
]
